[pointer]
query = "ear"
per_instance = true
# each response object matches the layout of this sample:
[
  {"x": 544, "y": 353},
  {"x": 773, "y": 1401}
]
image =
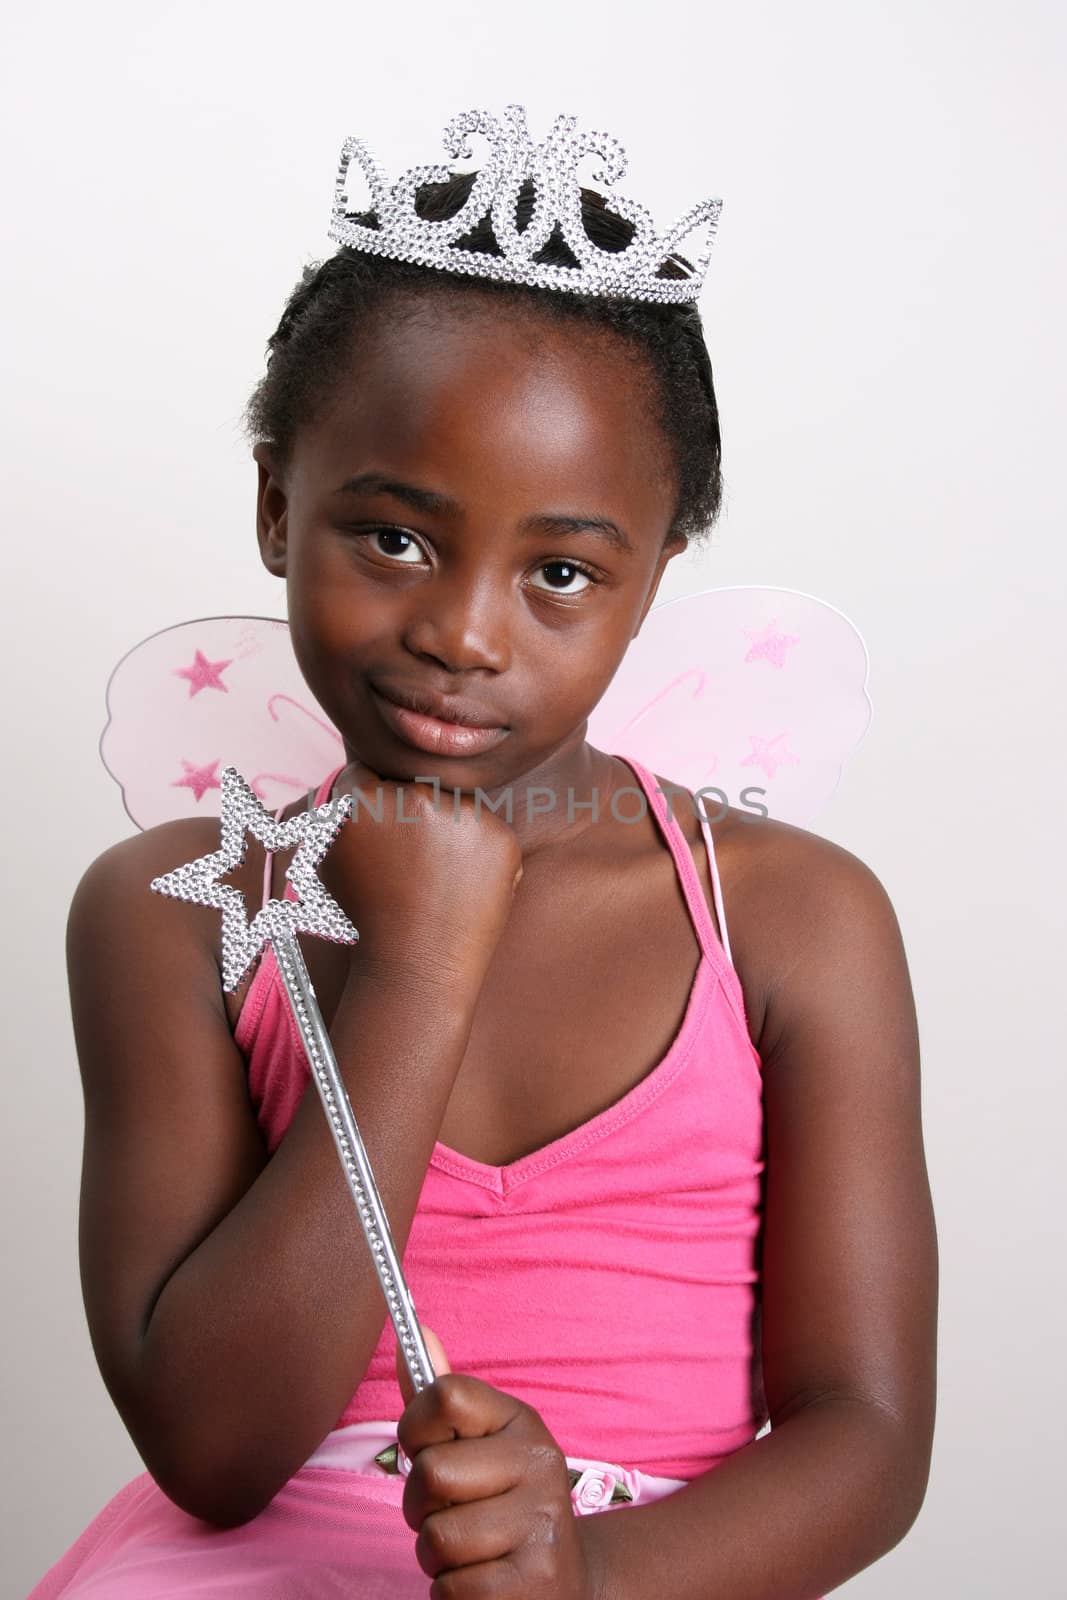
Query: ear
[
  {"x": 673, "y": 547},
  {"x": 271, "y": 512}
]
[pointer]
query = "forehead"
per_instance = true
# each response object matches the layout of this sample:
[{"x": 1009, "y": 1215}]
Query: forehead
[{"x": 485, "y": 401}]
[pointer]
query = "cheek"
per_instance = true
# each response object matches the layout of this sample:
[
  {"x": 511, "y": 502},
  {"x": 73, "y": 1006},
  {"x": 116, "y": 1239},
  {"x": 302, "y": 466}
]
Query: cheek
[
  {"x": 315, "y": 614},
  {"x": 329, "y": 611},
  {"x": 324, "y": 627},
  {"x": 572, "y": 667}
]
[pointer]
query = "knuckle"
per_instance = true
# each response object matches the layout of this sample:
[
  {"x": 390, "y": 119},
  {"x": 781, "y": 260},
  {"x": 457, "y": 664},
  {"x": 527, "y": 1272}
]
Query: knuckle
[
  {"x": 541, "y": 1550},
  {"x": 545, "y": 1528},
  {"x": 436, "y": 1543},
  {"x": 532, "y": 1425},
  {"x": 429, "y": 1470},
  {"x": 547, "y": 1461},
  {"x": 411, "y": 1505},
  {"x": 447, "y": 1586},
  {"x": 409, "y": 1428},
  {"x": 540, "y": 1566}
]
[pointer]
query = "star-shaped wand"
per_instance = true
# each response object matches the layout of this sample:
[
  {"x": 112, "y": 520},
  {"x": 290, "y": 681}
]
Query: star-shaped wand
[{"x": 313, "y": 911}]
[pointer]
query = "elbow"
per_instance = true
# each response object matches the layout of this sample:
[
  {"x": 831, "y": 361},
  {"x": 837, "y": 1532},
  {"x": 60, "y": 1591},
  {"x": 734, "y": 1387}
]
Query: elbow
[
  {"x": 900, "y": 1454},
  {"x": 885, "y": 1458},
  {"x": 914, "y": 1479},
  {"x": 228, "y": 1479},
  {"x": 216, "y": 1470},
  {"x": 228, "y": 1510},
  {"x": 222, "y": 1496},
  {"x": 206, "y": 1477}
]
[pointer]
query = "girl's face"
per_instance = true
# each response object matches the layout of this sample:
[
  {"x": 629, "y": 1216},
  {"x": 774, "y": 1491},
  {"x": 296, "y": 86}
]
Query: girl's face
[{"x": 474, "y": 526}]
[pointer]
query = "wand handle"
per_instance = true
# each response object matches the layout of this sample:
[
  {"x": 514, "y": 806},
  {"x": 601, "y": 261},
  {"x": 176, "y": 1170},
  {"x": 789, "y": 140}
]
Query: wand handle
[{"x": 354, "y": 1160}]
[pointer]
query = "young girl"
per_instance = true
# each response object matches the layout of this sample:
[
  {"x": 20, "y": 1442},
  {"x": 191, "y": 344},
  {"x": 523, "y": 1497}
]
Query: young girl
[{"x": 657, "y": 1180}]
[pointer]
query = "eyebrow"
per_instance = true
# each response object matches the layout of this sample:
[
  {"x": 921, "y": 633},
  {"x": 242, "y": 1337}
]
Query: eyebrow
[
  {"x": 429, "y": 500},
  {"x": 550, "y": 523},
  {"x": 418, "y": 499}
]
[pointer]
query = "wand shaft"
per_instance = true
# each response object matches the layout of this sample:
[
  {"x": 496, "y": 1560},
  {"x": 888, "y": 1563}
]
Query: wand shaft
[{"x": 354, "y": 1159}]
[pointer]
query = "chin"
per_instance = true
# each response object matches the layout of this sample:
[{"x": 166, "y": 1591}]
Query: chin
[{"x": 452, "y": 772}]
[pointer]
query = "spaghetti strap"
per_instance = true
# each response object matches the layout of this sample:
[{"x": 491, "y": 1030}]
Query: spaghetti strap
[
  {"x": 268, "y": 863},
  {"x": 315, "y": 797},
  {"x": 715, "y": 949},
  {"x": 715, "y": 884}
]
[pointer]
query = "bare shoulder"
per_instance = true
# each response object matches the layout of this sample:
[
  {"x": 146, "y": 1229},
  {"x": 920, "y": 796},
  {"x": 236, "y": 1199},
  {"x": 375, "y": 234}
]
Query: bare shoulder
[
  {"x": 153, "y": 849},
  {"x": 823, "y": 933},
  {"x": 113, "y": 909},
  {"x": 113, "y": 898},
  {"x": 794, "y": 902},
  {"x": 117, "y": 882}
]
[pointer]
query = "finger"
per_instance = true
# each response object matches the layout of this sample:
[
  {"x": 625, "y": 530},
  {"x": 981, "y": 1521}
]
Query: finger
[
  {"x": 486, "y": 1580},
  {"x": 461, "y": 1470},
  {"x": 438, "y": 1360},
  {"x": 455, "y": 1406},
  {"x": 464, "y": 1535}
]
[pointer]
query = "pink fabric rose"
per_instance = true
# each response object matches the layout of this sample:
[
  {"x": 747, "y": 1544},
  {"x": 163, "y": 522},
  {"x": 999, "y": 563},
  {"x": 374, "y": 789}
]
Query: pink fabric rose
[{"x": 593, "y": 1491}]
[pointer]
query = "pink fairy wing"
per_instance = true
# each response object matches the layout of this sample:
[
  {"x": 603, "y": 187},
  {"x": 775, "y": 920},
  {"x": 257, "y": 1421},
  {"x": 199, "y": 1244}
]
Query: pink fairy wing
[
  {"x": 759, "y": 694},
  {"x": 207, "y": 694}
]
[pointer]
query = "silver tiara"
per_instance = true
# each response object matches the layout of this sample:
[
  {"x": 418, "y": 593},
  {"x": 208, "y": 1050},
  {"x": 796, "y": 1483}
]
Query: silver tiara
[{"x": 552, "y": 167}]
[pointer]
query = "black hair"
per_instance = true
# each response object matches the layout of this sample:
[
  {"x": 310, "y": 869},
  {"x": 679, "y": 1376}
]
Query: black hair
[{"x": 336, "y": 299}]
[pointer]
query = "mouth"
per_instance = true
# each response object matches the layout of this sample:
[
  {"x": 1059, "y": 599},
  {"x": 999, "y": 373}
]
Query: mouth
[{"x": 437, "y": 724}]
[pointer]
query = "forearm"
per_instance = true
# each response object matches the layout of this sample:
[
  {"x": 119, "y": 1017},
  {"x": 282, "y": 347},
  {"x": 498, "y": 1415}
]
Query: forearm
[
  {"x": 788, "y": 1517},
  {"x": 260, "y": 1337}
]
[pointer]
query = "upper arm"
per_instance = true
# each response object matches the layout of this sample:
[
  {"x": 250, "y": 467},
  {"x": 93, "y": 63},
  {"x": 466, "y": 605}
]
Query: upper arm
[
  {"x": 171, "y": 1141},
  {"x": 849, "y": 1248}
]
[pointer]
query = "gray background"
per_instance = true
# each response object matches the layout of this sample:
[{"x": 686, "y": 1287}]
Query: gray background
[{"x": 885, "y": 318}]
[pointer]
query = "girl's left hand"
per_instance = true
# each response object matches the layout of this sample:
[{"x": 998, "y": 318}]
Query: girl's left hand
[{"x": 488, "y": 1495}]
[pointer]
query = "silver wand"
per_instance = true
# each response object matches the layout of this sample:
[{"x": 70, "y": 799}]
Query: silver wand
[{"x": 313, "y": 911}]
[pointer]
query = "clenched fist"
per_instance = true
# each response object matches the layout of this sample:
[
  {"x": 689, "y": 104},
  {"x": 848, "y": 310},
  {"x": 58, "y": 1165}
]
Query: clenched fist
[{"x": 488, "y": 1494}]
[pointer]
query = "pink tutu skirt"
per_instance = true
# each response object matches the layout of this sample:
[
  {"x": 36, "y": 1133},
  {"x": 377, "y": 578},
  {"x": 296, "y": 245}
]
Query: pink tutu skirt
[{"x": 335, "y": 1529}]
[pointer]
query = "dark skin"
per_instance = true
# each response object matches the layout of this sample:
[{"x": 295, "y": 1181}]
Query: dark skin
[{"x": 187, "y": 1224}]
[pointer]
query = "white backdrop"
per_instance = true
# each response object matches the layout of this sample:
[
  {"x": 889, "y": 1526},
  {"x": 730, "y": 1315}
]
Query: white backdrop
[{"x": 884, "y": 312}]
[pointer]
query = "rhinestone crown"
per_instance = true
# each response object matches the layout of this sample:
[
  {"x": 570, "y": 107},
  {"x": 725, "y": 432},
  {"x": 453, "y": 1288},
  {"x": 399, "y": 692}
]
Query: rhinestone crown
[{"x": 402, "y": 234}]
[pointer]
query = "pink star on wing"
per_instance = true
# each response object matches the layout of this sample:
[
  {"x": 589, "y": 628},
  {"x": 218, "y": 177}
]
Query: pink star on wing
[
  {"x": 763, "y": 754},
  {"x": 203, "y": 674},
  {"x": 767, "y": 645},
  {"x": 198, "y": 779}
]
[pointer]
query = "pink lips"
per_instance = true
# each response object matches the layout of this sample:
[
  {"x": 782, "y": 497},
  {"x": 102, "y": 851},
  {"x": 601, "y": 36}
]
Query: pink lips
[{"x": 433, "y": 735}]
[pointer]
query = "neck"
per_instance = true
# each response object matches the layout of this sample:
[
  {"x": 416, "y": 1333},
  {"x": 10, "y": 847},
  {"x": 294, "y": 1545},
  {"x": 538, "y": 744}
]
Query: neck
[
  {"x": 554, "y": 801},
  {"x": 557, "y": 799}
]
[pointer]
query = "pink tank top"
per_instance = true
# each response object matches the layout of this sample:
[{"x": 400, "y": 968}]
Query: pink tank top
[{"x": 610, "y": 1279}]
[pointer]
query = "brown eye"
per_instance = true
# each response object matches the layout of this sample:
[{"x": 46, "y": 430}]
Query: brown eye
[
  {"x": 395, "y": 544},
  {"x": 565, "y": 577}
]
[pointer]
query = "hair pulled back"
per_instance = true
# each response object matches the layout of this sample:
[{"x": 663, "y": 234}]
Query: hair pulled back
[{"x": 340, "y": 298}]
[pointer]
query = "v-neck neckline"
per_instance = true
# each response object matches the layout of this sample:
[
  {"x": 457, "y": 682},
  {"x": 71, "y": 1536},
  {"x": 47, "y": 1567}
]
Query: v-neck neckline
[{"x": 501, "y": 1179}]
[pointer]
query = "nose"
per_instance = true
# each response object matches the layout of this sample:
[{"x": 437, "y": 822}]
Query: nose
[{"x": 461, "y": 623}]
